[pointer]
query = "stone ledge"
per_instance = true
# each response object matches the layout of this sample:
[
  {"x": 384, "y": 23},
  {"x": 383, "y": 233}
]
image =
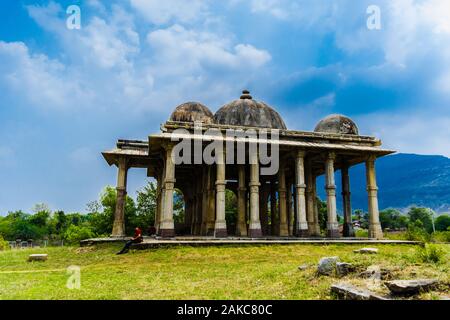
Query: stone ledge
[{"x": 211, "y": 241}]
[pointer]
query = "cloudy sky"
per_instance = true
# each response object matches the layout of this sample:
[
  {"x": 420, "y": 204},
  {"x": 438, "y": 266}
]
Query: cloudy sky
[{"x": 66, "y": 95}]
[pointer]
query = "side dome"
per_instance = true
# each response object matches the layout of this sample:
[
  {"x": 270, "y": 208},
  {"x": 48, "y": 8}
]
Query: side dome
[
  {"x": 190, "y": 112},
  {"x": 250, "y": 113},
  {"x": 337, "y": 123}
]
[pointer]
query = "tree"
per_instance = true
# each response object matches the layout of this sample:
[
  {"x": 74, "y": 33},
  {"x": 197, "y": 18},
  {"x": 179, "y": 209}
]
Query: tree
[
  {"x": 102, "y": 221},
  {"x": 146, "y": 206},
  {"x": 393, "y": 219},
  {"x": 230, "y": 207},
  {"x": 40, "y": 218},
  {"x": 442, "y": 223},
  {"x": 75, "y": 234},
  {"x": 23, "y": 229},
  {"x": 178, "y": 206},
  {"x": 423, "y": 215},
  {"x": 323, "y": 215},
  {"x": 362, "y": 217}
]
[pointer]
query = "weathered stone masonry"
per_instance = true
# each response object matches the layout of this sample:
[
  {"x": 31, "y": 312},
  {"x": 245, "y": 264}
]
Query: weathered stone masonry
[{"x": 289, "y": 196}]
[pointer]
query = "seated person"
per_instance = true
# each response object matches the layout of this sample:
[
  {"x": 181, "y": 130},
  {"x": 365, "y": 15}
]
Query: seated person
[{"x": 137, "y": 238}]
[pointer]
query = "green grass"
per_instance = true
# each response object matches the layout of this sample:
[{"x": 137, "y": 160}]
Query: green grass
[{"x": 249, "y": 272}]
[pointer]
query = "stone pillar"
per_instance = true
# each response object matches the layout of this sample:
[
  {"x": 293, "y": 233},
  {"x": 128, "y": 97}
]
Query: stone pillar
[
  {"x": 167, "y": 228},
  {"x": 372, "y": 190},
  {"x": 211, "y": 203},
  {"x": 273, "y": 209},
  {"x": 188, "y": 213},
  {"x": 241, "y": 229},
  {"x": 300, "y": 188},
  {"x": 316, "y": 208},
  {"x": 159, "y": 189},
  {"x": 193, "y": 210},
  {"x": 284, "y": 228},
  {"x": 310, "y": 201},
  {"x": 204, "y": 190},
  {"x": 119, "y": 215},
  {"x": 254, "y": 229},
  {"x": 199, "y": 208},
  {"x": 290, "y": 206},
  {"x": 348, "y": 225},
  {"x": 263, "y": 217},
  {"x": 330, "y": 187},
  {"x": 220, "y": 228}
]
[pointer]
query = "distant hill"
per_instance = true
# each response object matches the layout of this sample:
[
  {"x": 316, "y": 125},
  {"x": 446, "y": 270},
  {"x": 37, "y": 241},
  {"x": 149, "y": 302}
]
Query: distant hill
[{"x": 403, "y": 180}]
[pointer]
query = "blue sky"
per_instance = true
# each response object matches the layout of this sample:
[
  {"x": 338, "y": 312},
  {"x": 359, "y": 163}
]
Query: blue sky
[{"x": 66, "y": 95}]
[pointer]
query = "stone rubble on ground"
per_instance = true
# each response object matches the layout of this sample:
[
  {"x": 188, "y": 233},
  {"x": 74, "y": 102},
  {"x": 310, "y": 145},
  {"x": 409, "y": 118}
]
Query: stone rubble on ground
[
  {"x": 344, "y": 268},
  {"x": 349, "y": 292},
  {"x": 366, "y": 250},
  {"x": 38, "y": 257},
  {"x": 327, "y": 266},
  {"x": 403, "y": 287},
  {"x": 376, "y": 272}
]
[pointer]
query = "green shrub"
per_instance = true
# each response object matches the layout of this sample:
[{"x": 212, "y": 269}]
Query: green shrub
[
  {"x": 398, "y": 235},
  {"x": 4, "y": 245},
  {"x": 430, "y": 253},
  {"x": 361, "y": 233},
  {"x": 441, "y": 236},
  {"x": 75, "y": 234},
  {"x": 442, "y": 223},
  {"x": 416, "y": 232}
]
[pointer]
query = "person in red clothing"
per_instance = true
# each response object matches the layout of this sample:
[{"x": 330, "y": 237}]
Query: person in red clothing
[{"x": 137, "y": 238}]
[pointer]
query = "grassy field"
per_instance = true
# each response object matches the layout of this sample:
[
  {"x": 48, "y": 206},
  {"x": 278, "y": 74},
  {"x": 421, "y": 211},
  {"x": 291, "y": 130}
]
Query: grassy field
[{"x": 251, "y": 272}]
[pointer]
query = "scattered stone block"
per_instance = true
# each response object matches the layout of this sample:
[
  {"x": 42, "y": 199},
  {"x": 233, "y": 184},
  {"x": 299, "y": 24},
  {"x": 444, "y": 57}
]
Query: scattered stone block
[
  {"x": 327, "y": 266},
  {"x": 376, "y": 272},
  {"x": 38, "y": 257},
  {"x": 303, "y": 267},
  {"x": 350, "y": 292},
  {"x": 409, "y": 287},
  {"x": 366, "y": 250},
  {"x": 344, "y": 268}
]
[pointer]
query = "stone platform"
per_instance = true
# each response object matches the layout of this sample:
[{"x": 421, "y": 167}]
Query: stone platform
[{"x": 155, "y": 242}]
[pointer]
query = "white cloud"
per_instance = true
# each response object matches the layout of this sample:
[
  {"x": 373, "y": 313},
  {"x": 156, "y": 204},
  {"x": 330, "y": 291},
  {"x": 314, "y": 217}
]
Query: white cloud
[
  {"x": 105, "y": 65},
  {"x": 106, "y": 42},
  {"x": 160, "y": 12},
  {"x": 273, "y": 7},
  {"x": 35, "y": 77},
  {"x": 413, "y": 132},
  {"x": 179, "y": 50},
  {"x": 103, "y": 43}
]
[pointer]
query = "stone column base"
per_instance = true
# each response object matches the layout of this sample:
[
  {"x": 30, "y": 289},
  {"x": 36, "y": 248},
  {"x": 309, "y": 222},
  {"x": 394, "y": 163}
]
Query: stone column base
[
  {"x": 255, "y": 233},
  {"x": 167, "y": 233},
  {"x": 118, "y": 229},
  {"x": 316, "y": 229},
  {"x": 375, "y": 231},
  {"x": 241, "y": 230},
  {"x": 220, "y": 233},
  {"x": 348, "y": 230},
  {"x": 333, "y": 233},
  {"x": 302, "y": 233},
  {"x": 284, "y": 230}
]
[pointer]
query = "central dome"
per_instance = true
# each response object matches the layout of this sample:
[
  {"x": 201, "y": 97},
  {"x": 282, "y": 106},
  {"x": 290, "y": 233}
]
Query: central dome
[{"x": 250, "y": 113}]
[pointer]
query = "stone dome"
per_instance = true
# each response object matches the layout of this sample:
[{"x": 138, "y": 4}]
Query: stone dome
[
  {"x": 190, "y": 112},
  {"x": 248, "y": 112},
  {"x": 337, "y": 123}
]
